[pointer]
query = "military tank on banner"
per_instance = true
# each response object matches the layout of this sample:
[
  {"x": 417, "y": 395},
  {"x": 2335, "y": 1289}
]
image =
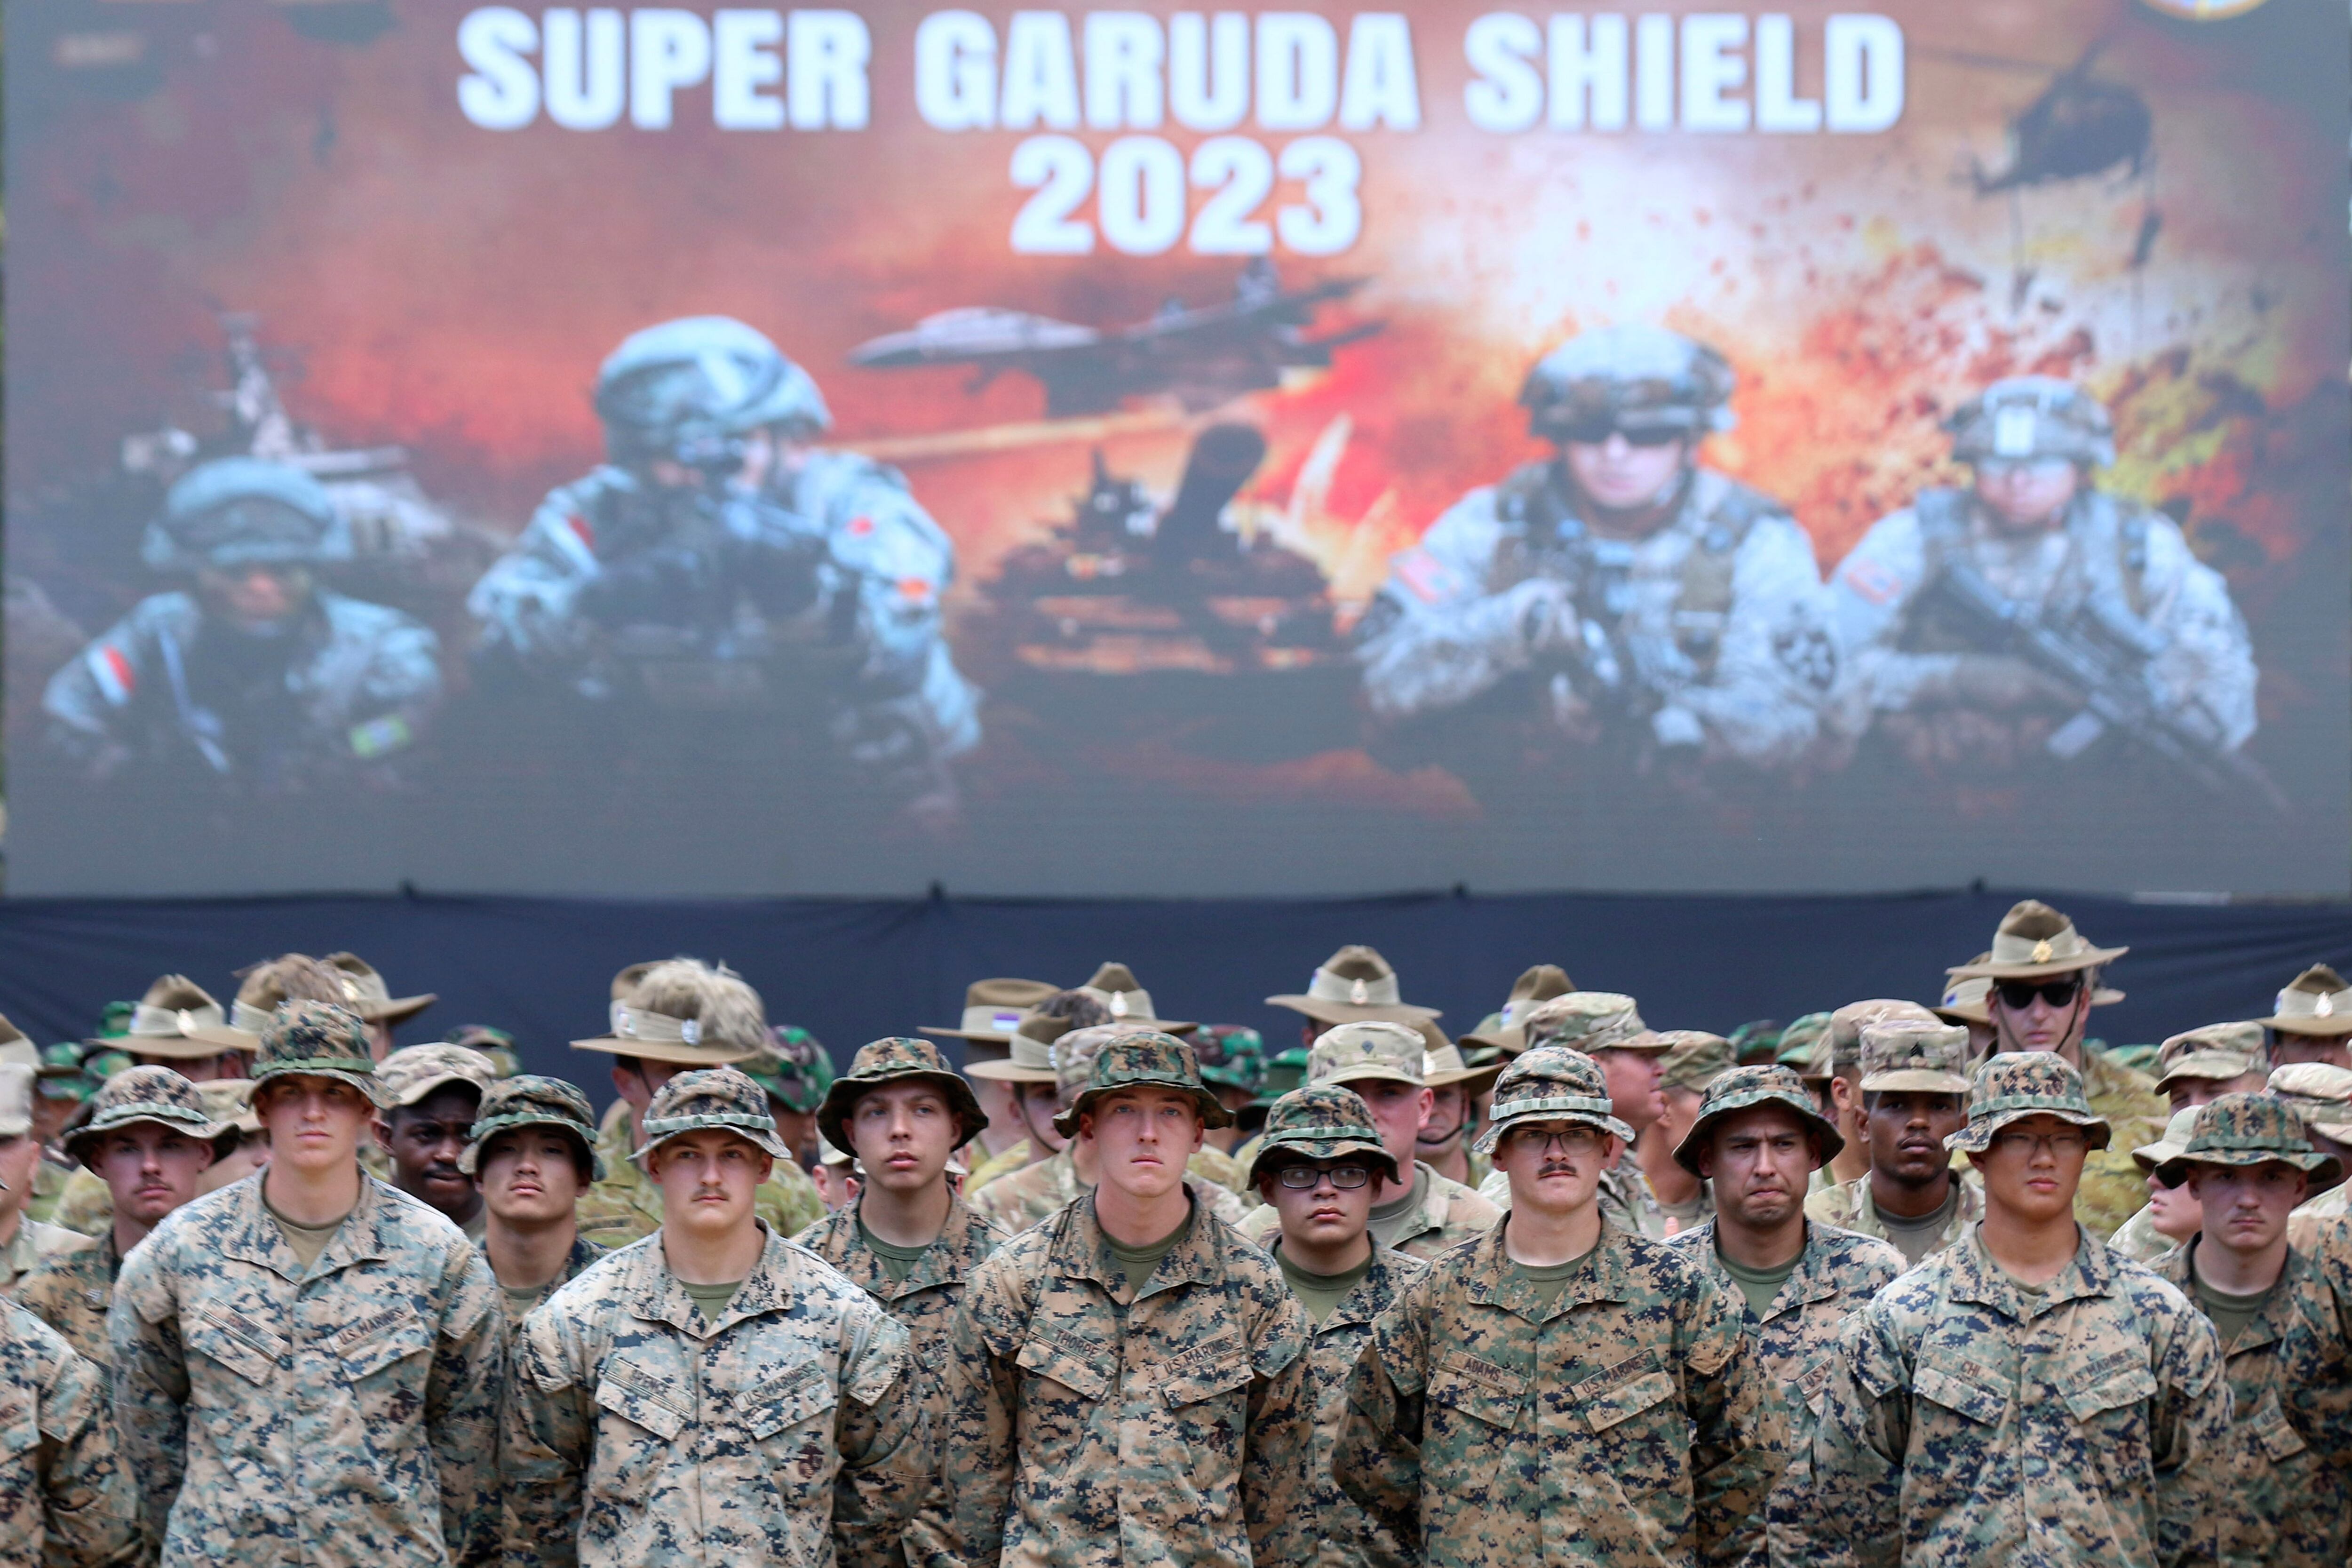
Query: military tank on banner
[{"x": 1179, "y": 624}]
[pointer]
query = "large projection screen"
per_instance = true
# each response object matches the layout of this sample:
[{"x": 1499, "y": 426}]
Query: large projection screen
[{"x": 666, "y": 451}]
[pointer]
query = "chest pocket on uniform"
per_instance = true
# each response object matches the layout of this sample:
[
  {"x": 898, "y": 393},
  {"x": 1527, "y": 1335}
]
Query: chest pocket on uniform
[
  {"x": 2101, "y": 1391},
  {"x": 1081, "y": 1374},
  {"x": 222, "y": 1334},
  {"x": 1958, "y": 1389},
  {"x": 784, "y": 1401},
  {"x": 2272, "y": 1432},
  {"x": 20, "y": 1429},
  {"x": 1480, "y": 1389},
  {"x": 378, "y": 1341},
  {"x": 1204, "y": 1372},
  {"x": 636, "y": 1395},
  {"x": 1623, "y": 1392}
]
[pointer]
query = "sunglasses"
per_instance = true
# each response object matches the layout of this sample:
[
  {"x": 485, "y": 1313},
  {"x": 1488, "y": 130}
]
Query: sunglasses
[
  {"x": 1300, "y": 1178},
  {"x": 2018, "y": 995},
  {"x": 1598, "y": 434}
]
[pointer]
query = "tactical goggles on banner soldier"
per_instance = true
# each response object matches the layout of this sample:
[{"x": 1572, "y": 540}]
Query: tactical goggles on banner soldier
[{"x": 1596, "y": 433}]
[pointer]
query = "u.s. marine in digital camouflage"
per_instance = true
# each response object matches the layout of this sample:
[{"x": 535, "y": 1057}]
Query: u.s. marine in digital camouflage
[
  {"x": 1971, "y": 1422},
  {"x": 641, "y": 1433},
  {"x": 65, "y": 1498},
  {"x": 1622, "y": 1421},
  {"x": 1592, "y": 1022}
]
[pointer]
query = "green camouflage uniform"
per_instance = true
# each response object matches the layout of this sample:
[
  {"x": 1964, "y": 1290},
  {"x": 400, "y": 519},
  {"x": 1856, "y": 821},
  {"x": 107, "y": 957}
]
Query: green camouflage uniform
[
  {"x": 49, "y": 1180},
  {"x": 2113, "y": 1188},
  {"x": 32, "y": 1242},
  {"x": 70, "y": 1291},
  {"x": 341, "y": 1417},
  {"x": 578, "y": 1261},
  {"x": 1598, "y": 1021},
  {"x": 1969, "y": 1424},
  {"x": 2138, "y": 1239},
  {"x": 1901, "y": 1055},
  {"x": 1624, "y": 1423},
  {"x": 1093, "y": 1420},
  {"x": 1030, "y": 1197},
  {"x": 80, "y": 1202},
  {"x": 641, "y": 1433},
  {"x": 625, "y": 1206},
  {"x": 1849, "y": 1206},
  {"x": 926, "y": 1299},
  {"x": 514, "y": 1101},
  {"x": 65, "y": 1498}
]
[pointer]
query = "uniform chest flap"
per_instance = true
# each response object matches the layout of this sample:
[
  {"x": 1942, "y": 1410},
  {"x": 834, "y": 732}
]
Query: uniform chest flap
[
  {"x": 642, "y": 1397},
  {"x": 2270, "y": 1430},
  {"x": 1083, "y": 1368},
  {"x": 380, "y": 1340},
  {"x": 1205, "y": 1371},
  {"x": 1623, "y": 1390},
  {"x": 1476, "y": 1388},
  {"x": 2113, "y": 1381},
  {"x": 236, "y": 1340},
  {"x": 784, "y": 1399},
  {"x": 1962, "y": 1386},
  {"x": 20, "y": 1424}
]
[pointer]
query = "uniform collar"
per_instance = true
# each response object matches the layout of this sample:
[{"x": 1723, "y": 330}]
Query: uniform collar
[
  {"x": 1977, "y": 1277},
  {"x": 657, "y": 1296},
  {"x": 1495, "y": 1282},
  {"x": 2269, "y": 1325},
  {"x": 1082, "y": 1251},
  {"x": 963, "y": 1245},
  {"x": 255, "y": 1238},
  {"x": 1812, "y": 1280},
  {"x": 1371, "y": 1294}
]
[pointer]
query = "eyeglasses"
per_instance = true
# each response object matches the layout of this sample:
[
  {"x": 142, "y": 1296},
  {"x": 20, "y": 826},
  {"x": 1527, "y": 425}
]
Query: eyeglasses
[
  {"x": 1598, "y": 433},
  {"x": 2062, "y": 1144},
  {"x": 2018, "y": 995},
  {"x": 1573, "y": 1141},
  {"x": 1301, "y": 1178}
]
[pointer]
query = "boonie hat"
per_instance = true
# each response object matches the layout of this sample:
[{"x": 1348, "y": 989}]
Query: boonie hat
[
  {"x": 317, "y": 1039},
  {"x": 2249, "y": 1130},
  {"x": 1322, "y": 1121},
  {"x": 720, "y": 1096},
  {"x": 1137, "y": 1059},
  {"x": 531, "y": 1099},
  {"x": 2018, "y": 1084},
  {"x": 1230, "y": 1054},
  {"x": 793, "y": 1067},
  {"x": 1801, "y": 1046},
  {"x": 1591, "y": 1021},
  {"x": 2315, "y": 1002},
  {"x": 1550, "y": 1083},
  {"x": 368, "y": 994},
  {"x": 1905, "y": 1055},
  {"x": 151, "y": 1093},
  {"x": 2033, "y": 942},
  {"x": 1353, "y": 985},
  {"x": 898, "y": 1059},
  {"x": 1744, "y": 1088}
]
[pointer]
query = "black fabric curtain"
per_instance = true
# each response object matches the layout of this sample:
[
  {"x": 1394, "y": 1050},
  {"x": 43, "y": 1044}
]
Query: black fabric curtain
[{"x": 854, "y": 970}]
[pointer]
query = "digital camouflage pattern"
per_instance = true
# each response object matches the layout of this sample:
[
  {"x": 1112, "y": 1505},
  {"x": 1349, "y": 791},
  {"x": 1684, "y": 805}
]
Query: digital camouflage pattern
[
  {"x": 2138, "y": 1239},
  {"x": 1322, "y": 1121},
  {"x": 1445, "y": 1215},
  {"x": 1036, "y": 1193},
  {"x": 2316, "y": 1217},
  {"x": 527, "y": 1100},
  {"x": 638, "y": 1434},
  {"x": 70, "y": 1291},
  {"x": 1626, "y": 1423},
  {"x": 2285, "y": 1500},
  {"x": 32, "y": 1242},
  {"x": 49, "y": 1180},
  {"x": 1794, "y": 1343},
  {"x": 1346, "y": 1536},
  {"x": 1967, "y": 1424},
  {"x": 342, "y": 1419},
  {"x": 1093, "y": 1423},
  {"x": 66, "y": 1496},
  {"x": 625, "y": 1206},
  {"x": 578, "y": 1261},
  {"x": 926, "y": 1299},
  {"x": 1849, "y": 1206}
]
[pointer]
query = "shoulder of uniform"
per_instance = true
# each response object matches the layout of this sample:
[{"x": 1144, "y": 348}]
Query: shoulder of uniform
[
  {"x": 1720, "y": 498},
  {"x": 417, "y": 1221},
  {"x": 1852, "y": 1249},
  {"x": 1402, "y": 1267},
  {"x": 206, "y": 1216},
  {"x": 1695, "y": 1240},
  {"x": 46, "y": 1349},
  {"x": 829, "y": 1237},
  {"x": 1466, "y": 1204}
]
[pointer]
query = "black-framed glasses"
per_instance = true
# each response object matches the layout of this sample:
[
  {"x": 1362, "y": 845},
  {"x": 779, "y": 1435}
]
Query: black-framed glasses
[
  {"x": 2059, "y": 992},
  {"x": 1302, "y": 1178},
  {"x": 1577, "y": 1139}
]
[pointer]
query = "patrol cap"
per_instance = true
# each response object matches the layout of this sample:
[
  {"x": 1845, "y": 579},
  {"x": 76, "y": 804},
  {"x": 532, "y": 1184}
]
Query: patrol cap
[
  {"x": 1846, "y": 1026},
  {"x": 2035, "y": 941},
  {"x": 1355, "y": 984},
  {"x": 1630, "y": 378},
  {"x": 898, "y": 1059},
  {"x": 243, "y": 512},
  {"x": 2319, "y": 1092},
  {"x": 1801, "y": 1046},
  {"x": 16, "y": 1098},
  {"x": 1230, "y": 1054},
  {"x": 1591, "y": 1021},
  {"x": 2216, "y": 1051},
  {"x": 2148, "y": 1157},
  {"x": 1905, "y": 1055},
  {"x": 1694, "y": 1058},
  {"x": 1032, "y": 1060},
  {"x": 408, "y": 1075},
  {"x": 530, "y": 1099},
  {"x": 178, "y": 1019},
  {"x": 993, "y": 1009},
  {"x": 316, "y": 1039},
  {"x": 1550, "y": 1083},
  {"x": 686, "y": 1013},
  {"x": 793, "y": 1067},
  {"x": 1744, "y": 1088},
  {"x": 1505, "y": 1032},
  {"x": 1127, "y": 1002},
  {"x": 1321, "y": 1121},
  {"x": 1356, "y": 1053},
  {"x": 1137, "y": 1059},
  {"x": 367, "y": 994},
  {"x": 152, "y": 1093},
  {"x": 2028, "y": 417},
  {"x": 2315, "y": 1002},
  {"x": 720, "y": 1096},
  {"x": 2014, "y": 1085},
  {"x": 2249, "y": 1130}
]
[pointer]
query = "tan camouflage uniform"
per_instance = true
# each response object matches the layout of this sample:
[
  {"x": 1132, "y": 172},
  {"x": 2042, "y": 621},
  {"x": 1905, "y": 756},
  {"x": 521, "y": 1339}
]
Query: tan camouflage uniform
[
  {"x": 70, "y": 1291},
  {"x": 926, "y": 1299},
  {"x": 65, "y": 1498}
]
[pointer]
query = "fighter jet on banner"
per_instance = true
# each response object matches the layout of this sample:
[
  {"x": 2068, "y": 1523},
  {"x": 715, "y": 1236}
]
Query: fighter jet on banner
[{"x": 1202, "y": 357}]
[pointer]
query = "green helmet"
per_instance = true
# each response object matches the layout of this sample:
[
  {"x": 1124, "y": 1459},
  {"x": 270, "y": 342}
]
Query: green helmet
[
  {"x": 1632, "y": 378},
  {"x": 688, "y": 390},
  {"x": 2029, "y": 416}
]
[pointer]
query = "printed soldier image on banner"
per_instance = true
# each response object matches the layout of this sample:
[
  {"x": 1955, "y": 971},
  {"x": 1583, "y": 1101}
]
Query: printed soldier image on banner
[{"x": 745, "y": 451}]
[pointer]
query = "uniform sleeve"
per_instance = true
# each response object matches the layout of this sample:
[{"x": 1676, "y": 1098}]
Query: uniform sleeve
[
  {"x": 1735, "y": 1450},
  {"x": 1435, "y": 637},
  {"x": 885, "y": 1443},
  {"x": 1377, "y": 1460},
  {"x": 1858, "y": 1448},
  {"x": 2206, "y": 670},
  {"x": 2189, "y": 1441},
  {"x": 547, "y": 1432},
  {"x": 462, "y": 1395},
  {"x": 525, "y": 601},
  {"x": 961, "y": 1524},
  {"x": 92, "y": 1507},
  {"x": 1871, "y": 594},
  {"x": 1276, "y": 1481},
  {"x": 149, "y": 1389}
]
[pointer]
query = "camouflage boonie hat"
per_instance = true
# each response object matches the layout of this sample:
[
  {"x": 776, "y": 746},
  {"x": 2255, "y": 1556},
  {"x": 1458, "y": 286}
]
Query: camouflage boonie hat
[
  {"x": 1744, "y": 1088},
  {"x": 1846, "y": 1026},
  {"x": 1590, "y": 1021},
  {"x": 1070, "y": 1054},
  {"x": 1144, "y": 1058},
  {"x": 530, "y": 1099},
  {"x": 2148, "y": 1157},
  {"x": 1356, "y": 1053},
  {"x": 2249, "y": 1130},
  {"x": 151, "y": 1094},
  {"x": 2315, "y": 1002},
  {"x": 793, "y": 1067},
  {"x": 1550, "y": 1083},
  {"x": 411, "y": 1074},
  {"x": 899, "y": 1058},
  {"x": 721, "y": 1096},
  {"x": 2018, "y": 1084},
  {"x": 1905, "y": 1055},
  {"x": 2319, "y": 1092},
  {"x": 1801, "y": 1046},
  {"x": 1693, "y": 1060},
  {"x": 1322, "y": 1121},
  {"x": 317, "y": 1039},
  {"x": 2216, "y": 1051},
  {"x": 76, "y": 1070},
  {"x": 496, "y": 1044},
  {"x": 1230, "y": 1054}
]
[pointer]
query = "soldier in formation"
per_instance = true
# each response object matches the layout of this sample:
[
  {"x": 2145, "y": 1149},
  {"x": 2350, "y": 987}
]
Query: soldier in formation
[
  {"x": 1914, "y": 1092},
  {"x": 531, "y": 1153},
  {"x": 432, "y": 1095},
  {"x": 2312, "y": 1020},
  {"x": 1606, "y": 1028},
  {"x": 24, "y": 1241}
]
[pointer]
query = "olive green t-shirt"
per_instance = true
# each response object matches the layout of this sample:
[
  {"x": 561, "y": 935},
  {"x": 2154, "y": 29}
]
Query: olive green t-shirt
[
  {"x": 1321, "y": 1294},
  {"x": 306, "y": 1240},
  {"x": 1550, "y": 1279},
  {"x": 1915, "y": 1238},
  {"x": 1388, "y": 1219},
  {"x": 1140, "y": 1263},
  {"x": 711, "y": 1299},
  {"x": 1758, "y": 1285},
  {"x": 896, "y": 1261},
  {"x": 2230, "y": 1313}
]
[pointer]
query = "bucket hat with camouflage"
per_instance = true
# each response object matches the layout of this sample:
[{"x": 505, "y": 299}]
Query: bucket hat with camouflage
[
  {"x": 2177, "y": 1133},
  {"x": 2319, "y": 1092},
  {"x": 2315, "y": 1002},
  {"x": 2215, "y": 1051},
  {"x": 721, "y": 1096},
  {"x": 899, "y": 1058},
  {"x": 528, "y": 1099},
  {"x": 1905, "y": 1055},
  {"x": 1321, "y": 1121},
  {"x": 154, "y": 1094},
  {"x": 1591, "y": 1021},
  {"x": 1756, "y": 1043},
  {"x": 2018, "y": 1084},
  {"x": 494, "y": 1044},
  {"x": 1144, "y": 1058},
  {"x": 316, "y": 1039},
  {"x": 413, "y": 1073},
  {"x": 1693, "y": 1060},
  {"x": 1744, "y": 1088},
  {"x": 2249, "y": 1130},
  {"x": 1551, "y": 1083},
  {"x": 1357, "y": 1053}
]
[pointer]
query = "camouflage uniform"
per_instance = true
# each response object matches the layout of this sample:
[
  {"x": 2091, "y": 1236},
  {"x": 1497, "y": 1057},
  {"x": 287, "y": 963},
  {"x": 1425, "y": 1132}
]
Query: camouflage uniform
[
  {"x": 65, "y": 1498},
  {"x": 1093, "y": 1420},
  {"x": 341, "y": 1416},
  {"x": 1966, "y": 1421},
  {"x": 1712, "y": 629},
  {"x": 70, "y": 1291},
  {"x": 624, "y": 1206},
  {"x": 343, "y": 694},
  {"x": 1625, "y": 1422},
  {"x": 1849, "y": 1206},
  {"x": 32, "y": 1241},
  {"x": 1900, "y": 1054},
  {"x": 1598, "y": 1021},
  {"x": 528, "y": 1099}
]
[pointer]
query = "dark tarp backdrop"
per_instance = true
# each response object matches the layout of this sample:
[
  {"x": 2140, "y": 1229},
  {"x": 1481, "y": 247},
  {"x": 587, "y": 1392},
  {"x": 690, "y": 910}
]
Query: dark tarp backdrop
[{"x": 852, "y": 971}]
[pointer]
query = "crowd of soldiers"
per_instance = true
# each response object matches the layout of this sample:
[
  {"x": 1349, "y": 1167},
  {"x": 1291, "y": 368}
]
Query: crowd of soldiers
[{"x": 1940, "y": 1283}]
